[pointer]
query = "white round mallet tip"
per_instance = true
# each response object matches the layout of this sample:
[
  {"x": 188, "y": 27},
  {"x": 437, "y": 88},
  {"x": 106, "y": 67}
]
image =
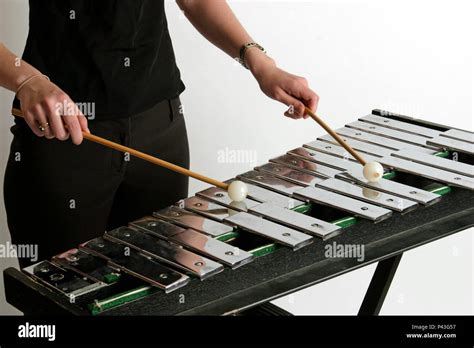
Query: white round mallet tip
[
  {"x": 237, "y": 191},
  {"x": 373, "y": 171}
]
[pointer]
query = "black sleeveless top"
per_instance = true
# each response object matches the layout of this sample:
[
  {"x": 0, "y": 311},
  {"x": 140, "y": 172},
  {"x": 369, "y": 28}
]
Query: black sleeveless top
[{"x": 114, "y": 53}]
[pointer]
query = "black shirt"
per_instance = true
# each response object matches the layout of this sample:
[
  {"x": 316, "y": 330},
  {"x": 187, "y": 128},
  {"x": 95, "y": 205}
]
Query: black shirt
[{"x": 114, "y": 53}]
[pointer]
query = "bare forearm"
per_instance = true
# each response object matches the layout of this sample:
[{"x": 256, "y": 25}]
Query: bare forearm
[
  {"x": 13, "y": 70},
  {"x": 216, "y": 22}
]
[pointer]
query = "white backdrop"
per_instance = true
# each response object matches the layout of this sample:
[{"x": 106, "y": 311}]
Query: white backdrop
[{"x": 411, "y": 57}]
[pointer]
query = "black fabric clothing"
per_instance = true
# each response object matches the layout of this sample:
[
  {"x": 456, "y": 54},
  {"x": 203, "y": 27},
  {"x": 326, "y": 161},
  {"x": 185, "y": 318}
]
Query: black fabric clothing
[
  {"x": 114, "y": 53},
  {"x": 58, "y": 195}
]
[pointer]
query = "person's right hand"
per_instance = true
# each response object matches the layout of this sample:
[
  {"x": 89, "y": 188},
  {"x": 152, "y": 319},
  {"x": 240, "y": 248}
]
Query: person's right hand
[{"x": 45, "y": 104}]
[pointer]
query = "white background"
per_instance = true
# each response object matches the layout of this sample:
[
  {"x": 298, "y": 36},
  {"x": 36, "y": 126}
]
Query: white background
[{"x": 411, "y": 57}]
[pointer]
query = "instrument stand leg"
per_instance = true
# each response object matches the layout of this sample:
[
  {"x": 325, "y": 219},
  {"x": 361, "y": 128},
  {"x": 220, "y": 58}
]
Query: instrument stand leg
[{"x": 379, "y": 285}]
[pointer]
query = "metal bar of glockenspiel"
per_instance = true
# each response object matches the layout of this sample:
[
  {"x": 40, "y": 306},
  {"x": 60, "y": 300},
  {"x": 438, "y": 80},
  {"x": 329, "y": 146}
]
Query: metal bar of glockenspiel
[
  {"x": 452, "y": 144},
  {"x": 336, "y": 137},
  {"x": 401, "y": 126},
  {"x": 390, "y": 133},
  {"x": 380, "y": 140},
  {"x": 457, "y": 134}
]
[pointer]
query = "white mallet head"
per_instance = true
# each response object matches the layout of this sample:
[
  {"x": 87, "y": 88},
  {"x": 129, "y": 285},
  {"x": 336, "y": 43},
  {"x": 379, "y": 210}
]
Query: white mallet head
[
  {"x": 373, "y": 171},
  {"x": 237, "y": 191}
]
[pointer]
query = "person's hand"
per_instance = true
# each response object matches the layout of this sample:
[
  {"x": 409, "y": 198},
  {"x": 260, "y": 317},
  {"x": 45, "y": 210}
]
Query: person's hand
[
  {"x": 44, "y": 104},
  {"x": 291, "y": 90}
]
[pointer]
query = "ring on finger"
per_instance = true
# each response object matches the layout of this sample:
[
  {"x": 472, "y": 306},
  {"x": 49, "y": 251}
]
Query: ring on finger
[{"x": 43, "y": 127}]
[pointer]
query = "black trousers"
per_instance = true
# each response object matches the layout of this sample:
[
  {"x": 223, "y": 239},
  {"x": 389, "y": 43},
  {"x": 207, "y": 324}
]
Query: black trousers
[{"x": 58, "y": 195}]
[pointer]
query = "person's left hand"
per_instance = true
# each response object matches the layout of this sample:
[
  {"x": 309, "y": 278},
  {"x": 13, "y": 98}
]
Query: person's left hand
[{"x": 291, "y": 90}]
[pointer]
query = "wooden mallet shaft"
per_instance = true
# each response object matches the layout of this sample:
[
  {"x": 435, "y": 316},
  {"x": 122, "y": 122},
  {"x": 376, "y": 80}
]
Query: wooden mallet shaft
[
  {"x": 335, "y": 136},
  {"x": 144, "y": 156}
]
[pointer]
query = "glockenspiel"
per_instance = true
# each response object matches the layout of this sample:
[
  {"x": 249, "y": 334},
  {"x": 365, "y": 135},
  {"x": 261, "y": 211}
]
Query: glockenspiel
[{"x": 209, "y": 255}]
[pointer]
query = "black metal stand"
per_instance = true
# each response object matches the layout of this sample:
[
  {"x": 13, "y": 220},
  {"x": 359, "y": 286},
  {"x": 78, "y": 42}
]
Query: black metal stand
[{"x": 379, "y": 285}]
